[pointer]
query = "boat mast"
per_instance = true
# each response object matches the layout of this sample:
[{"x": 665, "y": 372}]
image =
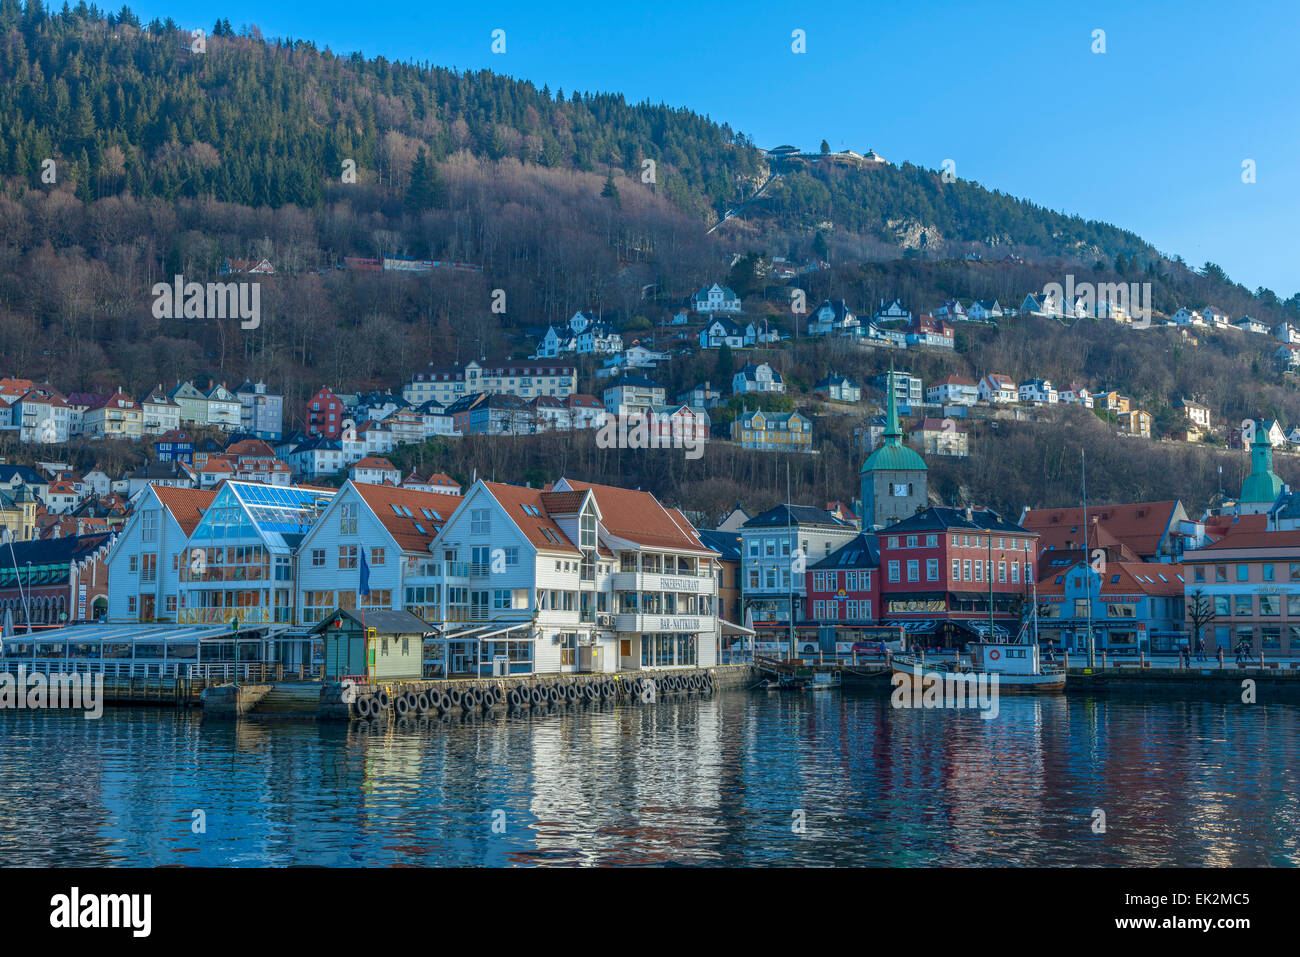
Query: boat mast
[{"x": 1087, "y": 559}]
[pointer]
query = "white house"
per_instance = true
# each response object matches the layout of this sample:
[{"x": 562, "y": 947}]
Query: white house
[
  {"x": 1039, "y": 392},
  {"x": 1247, "y": 324},
  {"x": 889, "y": 312},
  {"x": 1188, "y": 317},
  {"x": 839, "y": 388},
  {"x": 1075, "y": 394},
  {"x": 723, "y": 331},
  {"x": 953, "y": 390},
  {"x": 580, "y": 577},
  {"x": 984, "y": 310},
  {"x": 998, "y": 389},
  {"x": 145, "y": 561},
  {"x": 375, "y": 470},
  {"x": 1286, "y": 332},
  {"x": 391, "y": 530},
  {"x": 715, "y": 300},
  {"x": 756, "y": 378},
  {"x": 833, "y": 318}
]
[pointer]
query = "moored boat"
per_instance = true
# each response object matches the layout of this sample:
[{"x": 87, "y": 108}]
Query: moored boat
[{"x": 1017, "y": 666}]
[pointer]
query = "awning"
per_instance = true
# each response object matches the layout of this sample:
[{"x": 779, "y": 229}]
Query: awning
[
  {"x": 916, "y": 627},
  {"x": 81, "y": 634},
  {"x": 982, "y": 629},
  {"x": 729, "y": 629}
]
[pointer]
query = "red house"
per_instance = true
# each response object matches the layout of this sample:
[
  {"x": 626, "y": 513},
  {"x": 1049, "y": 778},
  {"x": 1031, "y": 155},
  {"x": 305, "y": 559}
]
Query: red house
[
  {"x": 939, "y": 568},
  {"x": 325, "y": 414},
  {"x": 843, "y": 587}
]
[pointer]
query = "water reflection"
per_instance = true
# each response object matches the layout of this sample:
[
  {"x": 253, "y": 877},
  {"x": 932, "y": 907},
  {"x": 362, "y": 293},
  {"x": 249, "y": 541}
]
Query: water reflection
[{"x": 719, "y": 781}]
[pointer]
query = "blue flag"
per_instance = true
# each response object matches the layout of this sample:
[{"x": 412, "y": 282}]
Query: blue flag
[{"x": 365, "y": 574}]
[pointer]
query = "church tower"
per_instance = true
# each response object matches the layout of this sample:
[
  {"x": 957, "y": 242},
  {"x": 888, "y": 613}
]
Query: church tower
[
  {"x": 894, "y": 477},
  {"x": 1262, "y": 486}
]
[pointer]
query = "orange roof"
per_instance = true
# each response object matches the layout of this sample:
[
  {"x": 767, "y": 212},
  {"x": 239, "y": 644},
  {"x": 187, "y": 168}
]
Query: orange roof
[
  {"x": 255, "y": 448},
  {"x": 1138, "y": 526},
  {"x": 414, "y": 531},
  {"x": 1216, "y": 526},
  {"x": 1248, "y": 538},
  {"x": 1125, "y": 578},
  {"x": 540, "y": 529},
  {"x": 375, "y": 462},
  {"x": 185, "y": 504},
  {"x": 639, "y": 517}
]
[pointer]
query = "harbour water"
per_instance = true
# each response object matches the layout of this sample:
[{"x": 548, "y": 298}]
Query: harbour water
[{"x": 742, "y": 778}]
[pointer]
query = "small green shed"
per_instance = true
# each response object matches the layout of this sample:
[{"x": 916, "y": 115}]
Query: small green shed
[{"x": 377, "y": 645}]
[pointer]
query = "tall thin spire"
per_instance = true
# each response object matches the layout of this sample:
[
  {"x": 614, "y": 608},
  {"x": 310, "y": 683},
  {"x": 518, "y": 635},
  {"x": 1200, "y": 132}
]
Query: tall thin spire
[{"x": 892, "y": 432}]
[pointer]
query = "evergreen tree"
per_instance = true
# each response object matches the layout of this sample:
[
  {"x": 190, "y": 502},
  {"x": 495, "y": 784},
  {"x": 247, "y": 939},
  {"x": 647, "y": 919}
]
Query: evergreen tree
[
  {"x": 611, "y": 191},
  {"x": 426, "y": 190}
]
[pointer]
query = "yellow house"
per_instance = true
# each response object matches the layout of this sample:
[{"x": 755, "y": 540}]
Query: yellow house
[
  {"x": 18, "y": 513},
  {"x": 1137, "y": 422},
  {"x": 1113, "y": 401},
  {"x": 772, "y": 431},
  {"x": 118, "y": 416}
]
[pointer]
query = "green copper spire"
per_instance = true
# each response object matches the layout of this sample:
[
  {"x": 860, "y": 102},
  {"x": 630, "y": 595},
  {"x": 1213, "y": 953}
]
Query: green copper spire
[
  {"x": 893, "y": 455},
  {"x": 1262, "y": 485},
  {"x": 893, "y": 434}
]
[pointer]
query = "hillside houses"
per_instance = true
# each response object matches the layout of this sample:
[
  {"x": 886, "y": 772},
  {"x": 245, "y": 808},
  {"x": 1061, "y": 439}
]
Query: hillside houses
[{"x": 582, "y": 335}]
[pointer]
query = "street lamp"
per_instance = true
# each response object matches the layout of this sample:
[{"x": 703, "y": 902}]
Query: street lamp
[
  {"x": 234, "y": 627},
  {"x": 27, "y": 610}
]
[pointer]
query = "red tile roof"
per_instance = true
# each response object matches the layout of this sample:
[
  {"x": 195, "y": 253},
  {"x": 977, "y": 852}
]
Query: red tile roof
[
  {"x": 1138, "y": 526},
  {"x": 185, "y": 504},
  {"x": 535, "y": 527},
  {"x": 639, "y": 517},
  {"x": 406, "y": 529}
]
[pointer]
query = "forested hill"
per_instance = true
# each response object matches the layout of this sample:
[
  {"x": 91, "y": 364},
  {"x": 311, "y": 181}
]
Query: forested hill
[{"x": 123, "y": 106}]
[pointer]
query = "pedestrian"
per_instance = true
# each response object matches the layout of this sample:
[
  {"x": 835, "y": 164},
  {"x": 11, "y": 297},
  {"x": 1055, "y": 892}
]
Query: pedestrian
[{"x": 1200, "y": 648}]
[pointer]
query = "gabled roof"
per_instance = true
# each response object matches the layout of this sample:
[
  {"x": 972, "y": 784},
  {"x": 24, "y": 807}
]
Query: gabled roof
[
  {"x": 860, "y": 552},
  {"x": 1123, "y": 578},
  {"x": 1138, "y": 525},
  {"x": 185, "y": 504},
  {"x": 639, "y": 517},
  {"x": 535, "y": 522},
  {"x": 413, "y": 518},
  {"x": 942, "y": 518},
  {"x": 786, "y": 516}
]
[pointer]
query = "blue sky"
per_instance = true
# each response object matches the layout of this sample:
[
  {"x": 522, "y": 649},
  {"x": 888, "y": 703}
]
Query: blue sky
[{"x": 1150, "y": 135}]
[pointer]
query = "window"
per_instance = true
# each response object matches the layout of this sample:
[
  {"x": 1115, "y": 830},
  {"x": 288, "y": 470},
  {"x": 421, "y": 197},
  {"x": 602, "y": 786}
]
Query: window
[
  {"x": 956, "y": 569},
  {"x": 931, "y": 541},
  {"x": 480, "y": 521},
  {"x": 378, "y": 556},
  {"x": 1267, "y": 572},
  {"x": 1198, "y": 573},
  {"x": 1220, "y": 573},
  {"x": 1222, "y": 606},
  {"x": 911, "y": 541},
  {"x": 318, "y": 558},
  {"x": 893, "y": 571},
  {"x": 1243, "y": 573},
  {"x": 149, "y": 526},
  {"x": 1002, "y": 572},
  {"x": 1270, "y": 605},
  {"x": 348, "y": 518},
  {"x": 347, "y": 556},
  {"x": 913, "y": 570},
  {"x": 932, "y": 569},
  {"x": 979, "y": 571},
  {"x": 148, "y": 568},
  {"x": 1243, "y": 604},
  {"x": 965, "y": 570}
]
